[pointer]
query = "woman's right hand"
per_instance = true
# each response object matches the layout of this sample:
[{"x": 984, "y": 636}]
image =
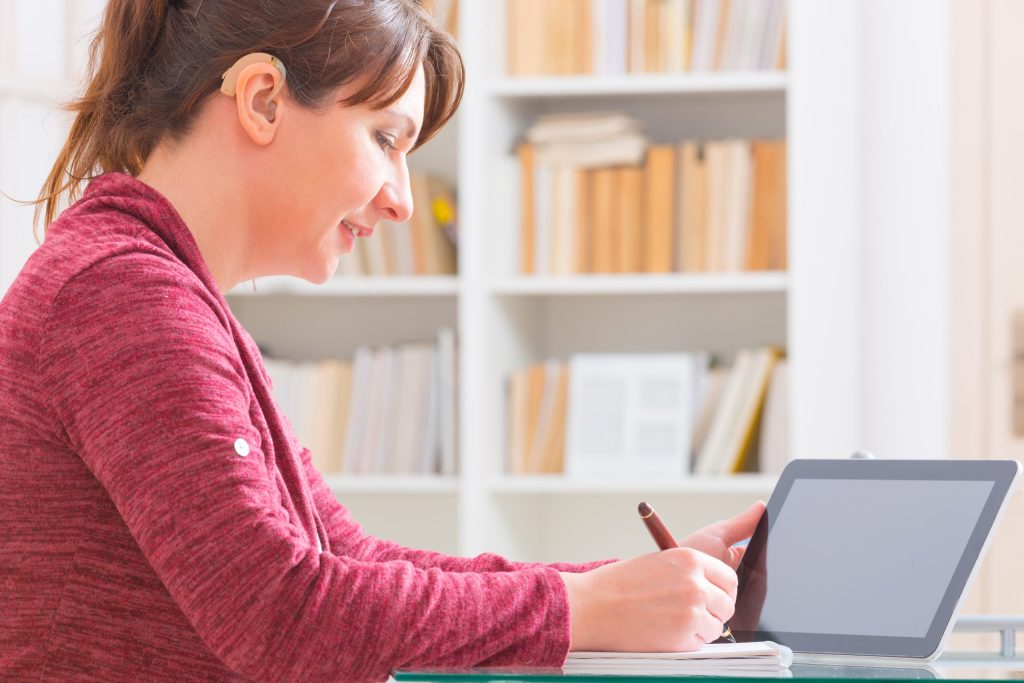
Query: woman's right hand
[{"x": 670, "y": 601}]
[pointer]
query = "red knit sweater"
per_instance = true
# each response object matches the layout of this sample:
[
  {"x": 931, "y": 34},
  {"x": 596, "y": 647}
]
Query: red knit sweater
[{"x": 137, "y": 542}]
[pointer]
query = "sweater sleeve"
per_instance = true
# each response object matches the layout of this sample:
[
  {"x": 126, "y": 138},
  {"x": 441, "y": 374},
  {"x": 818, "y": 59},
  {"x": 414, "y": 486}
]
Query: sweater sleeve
[
  {"x": 347, "y": 537},
  {"x": 151, "y": 390}
]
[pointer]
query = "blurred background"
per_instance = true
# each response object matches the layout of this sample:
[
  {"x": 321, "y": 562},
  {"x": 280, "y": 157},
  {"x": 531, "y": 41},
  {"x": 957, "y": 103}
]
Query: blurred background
[{"x": 665, "y": 247}]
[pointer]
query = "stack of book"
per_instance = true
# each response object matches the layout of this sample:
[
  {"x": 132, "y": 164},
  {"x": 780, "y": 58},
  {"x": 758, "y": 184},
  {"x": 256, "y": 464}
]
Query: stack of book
[
  {"x": 597, "y": 198},
  {"x": 618, "y": 37},
  {"x": 390, "y": 410},
  {"x": 650, "y": 415},
  {"x": 424, "y": 245}
]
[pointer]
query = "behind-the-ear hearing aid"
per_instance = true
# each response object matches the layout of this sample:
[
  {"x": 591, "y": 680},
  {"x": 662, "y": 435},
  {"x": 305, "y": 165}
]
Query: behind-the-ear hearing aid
[{"x": 230, "y": 77}]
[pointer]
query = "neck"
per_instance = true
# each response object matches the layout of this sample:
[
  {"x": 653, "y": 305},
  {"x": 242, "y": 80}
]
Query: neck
[{"x": 209, "y": 198}]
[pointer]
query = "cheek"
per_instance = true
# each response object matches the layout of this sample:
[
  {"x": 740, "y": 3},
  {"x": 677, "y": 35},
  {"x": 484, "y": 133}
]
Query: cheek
[{"x": 362, "y": 169}]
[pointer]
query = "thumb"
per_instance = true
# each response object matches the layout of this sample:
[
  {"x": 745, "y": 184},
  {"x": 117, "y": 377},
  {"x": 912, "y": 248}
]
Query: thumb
[
  {"x": 740, "y": 527},
  {"x": 736, "y": 555}
]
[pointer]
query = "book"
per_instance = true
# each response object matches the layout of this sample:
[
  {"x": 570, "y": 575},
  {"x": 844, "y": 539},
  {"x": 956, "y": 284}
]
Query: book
[
  {"x": 433, "y": 252},
  {"x": 650, "y": 14},
  {"x": 516, "y": 425},
  {"x": 563, "y": 220},
  {"x": 768, "y": 213},
  {"x": 737, "y": 659},
  {"x": 674, "y": 35},
  {"x": 736, "y": 205},
  {"x": 447, "y": 368},
  {"x": 528, "y": 214},
  {"x": 545, "y": 417},
  {"x": 728, "y": 446},
  {"x": 716, "y": 159},
  {"x": 362, "y": 377},
  {"x": 605, "y": 208},
  {"x": 625, "y": 149},
  {"x": 430, "y": 460},
  {"x": 406, "y": 423},
  {"x": 659, "y": 198},
  {"x": 627, "y": 233},
  {"x": 706, "y": 15},
  {"x": 553, "y": 458},
  {"x": 584, "y": 221},
  {"x": 693, "y": 209},
  {"x": 637, "y": 30},
  {"x": 543, "y": 196},
  {"x": 709, "y": 401},
  {"x": 774, "y": 438},
  {"x": 581, "y": 127},
  {"x": 771, "y": 44},
  {"x": 535, "y": 376},
  {"x": 610, "y": 33}
]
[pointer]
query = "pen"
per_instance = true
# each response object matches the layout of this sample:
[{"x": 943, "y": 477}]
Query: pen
[{"x": 663, "y": 537}]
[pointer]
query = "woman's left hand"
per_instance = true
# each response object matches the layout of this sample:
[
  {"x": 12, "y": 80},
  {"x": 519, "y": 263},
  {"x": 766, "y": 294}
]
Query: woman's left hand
[{"x": 717, "y": 539}]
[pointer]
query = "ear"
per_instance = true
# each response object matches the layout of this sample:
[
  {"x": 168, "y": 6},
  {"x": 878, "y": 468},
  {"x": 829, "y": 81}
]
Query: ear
[{"x": 259, "y": 99}]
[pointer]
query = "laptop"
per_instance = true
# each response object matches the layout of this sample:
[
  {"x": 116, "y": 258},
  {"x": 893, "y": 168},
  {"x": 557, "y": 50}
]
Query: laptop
[{"x": 868, "y": 559}]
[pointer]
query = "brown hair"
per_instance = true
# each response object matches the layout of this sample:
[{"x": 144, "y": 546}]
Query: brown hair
[{"x": 153, "y": 63}]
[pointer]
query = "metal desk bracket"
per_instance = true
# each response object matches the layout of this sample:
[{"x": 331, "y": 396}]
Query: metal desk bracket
[{"x": 1006, "y": 626}]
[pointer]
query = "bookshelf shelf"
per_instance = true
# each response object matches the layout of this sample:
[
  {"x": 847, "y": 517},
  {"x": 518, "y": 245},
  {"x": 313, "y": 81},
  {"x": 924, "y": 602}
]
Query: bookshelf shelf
[
  {"x": 722, "y": 83},
  {"x": 640, "y": 285},
  {"x": 387, "y": 484},
  {"x": 425, "y": 286},
  {"x": 758, "y": 484}
]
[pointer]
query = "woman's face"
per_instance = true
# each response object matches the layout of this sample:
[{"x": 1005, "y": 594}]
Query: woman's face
[{"x": 338, "y": 171}]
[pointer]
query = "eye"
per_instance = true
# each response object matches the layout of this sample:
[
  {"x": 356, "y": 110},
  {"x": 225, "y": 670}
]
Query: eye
[{"x": 385, "y": 142}]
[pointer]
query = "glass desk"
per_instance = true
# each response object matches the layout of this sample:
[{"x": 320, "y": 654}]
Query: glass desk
[
  {"x": 953, "y": 667},
  {"x": 1007, "y": 664}
]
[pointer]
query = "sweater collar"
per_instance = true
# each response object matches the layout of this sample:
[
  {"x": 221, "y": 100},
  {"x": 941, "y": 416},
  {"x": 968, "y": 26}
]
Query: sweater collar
[{"x": 131, "y": 196}]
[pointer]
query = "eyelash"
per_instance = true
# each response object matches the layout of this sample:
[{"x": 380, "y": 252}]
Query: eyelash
[{"x": 385, "y": 142}]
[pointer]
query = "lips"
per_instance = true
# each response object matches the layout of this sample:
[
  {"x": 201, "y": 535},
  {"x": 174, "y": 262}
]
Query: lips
[{"x": 358, "y": 230}]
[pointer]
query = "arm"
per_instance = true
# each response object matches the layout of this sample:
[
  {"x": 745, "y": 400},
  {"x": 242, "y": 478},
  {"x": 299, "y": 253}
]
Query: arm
[{"x": 152, "y": 393}]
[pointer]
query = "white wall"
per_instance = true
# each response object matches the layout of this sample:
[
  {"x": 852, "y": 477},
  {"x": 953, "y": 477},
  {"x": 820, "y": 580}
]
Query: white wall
[{"x": 905, "y": 289}]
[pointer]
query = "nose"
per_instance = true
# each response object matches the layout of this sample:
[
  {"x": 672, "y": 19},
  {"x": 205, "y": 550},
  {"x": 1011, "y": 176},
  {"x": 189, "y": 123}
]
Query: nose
[{"x": 394, "y": 201}]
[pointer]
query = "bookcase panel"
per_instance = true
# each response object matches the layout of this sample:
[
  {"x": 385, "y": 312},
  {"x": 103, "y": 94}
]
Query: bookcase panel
[
  {"x": 312, "y": 328},
  {"x": 610, "y": 324},
  {"x": 583, "y": 528},
  {"x": 415, "y": 520}
]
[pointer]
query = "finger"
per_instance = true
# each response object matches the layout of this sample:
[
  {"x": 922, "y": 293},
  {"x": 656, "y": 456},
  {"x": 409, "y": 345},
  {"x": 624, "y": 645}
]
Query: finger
[
  {"x": 740, "y": 527},
  {"x": 720, "y": 604},
  {"x": 710, "y": 629},
  {"x": 720, "y": 574}
]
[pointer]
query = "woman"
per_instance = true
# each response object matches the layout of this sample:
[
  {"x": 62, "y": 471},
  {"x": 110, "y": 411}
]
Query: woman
[{"x": 160, "y": 520}]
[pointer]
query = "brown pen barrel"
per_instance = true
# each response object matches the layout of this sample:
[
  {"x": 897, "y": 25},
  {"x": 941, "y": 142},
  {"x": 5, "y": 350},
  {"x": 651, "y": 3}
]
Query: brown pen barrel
[{"x": 662, "y": 536}]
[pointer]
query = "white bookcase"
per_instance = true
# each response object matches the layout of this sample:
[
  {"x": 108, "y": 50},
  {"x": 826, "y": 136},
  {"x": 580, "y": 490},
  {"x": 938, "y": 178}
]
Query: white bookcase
[{"x": 506, "y": 321}]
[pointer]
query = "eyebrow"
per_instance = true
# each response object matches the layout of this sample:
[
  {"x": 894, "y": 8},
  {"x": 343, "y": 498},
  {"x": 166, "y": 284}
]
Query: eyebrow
[{"x": 410, "y": 131}]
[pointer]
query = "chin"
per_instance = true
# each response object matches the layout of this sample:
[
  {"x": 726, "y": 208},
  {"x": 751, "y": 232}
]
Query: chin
[{"x": 322, "y": 275}]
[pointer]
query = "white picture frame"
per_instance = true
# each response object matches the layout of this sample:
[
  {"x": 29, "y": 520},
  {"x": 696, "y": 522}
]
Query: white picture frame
[{"x": 630, "y": 415}]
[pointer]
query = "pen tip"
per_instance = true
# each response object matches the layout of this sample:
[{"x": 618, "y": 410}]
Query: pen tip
[{"x": 644, "y": 509}]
